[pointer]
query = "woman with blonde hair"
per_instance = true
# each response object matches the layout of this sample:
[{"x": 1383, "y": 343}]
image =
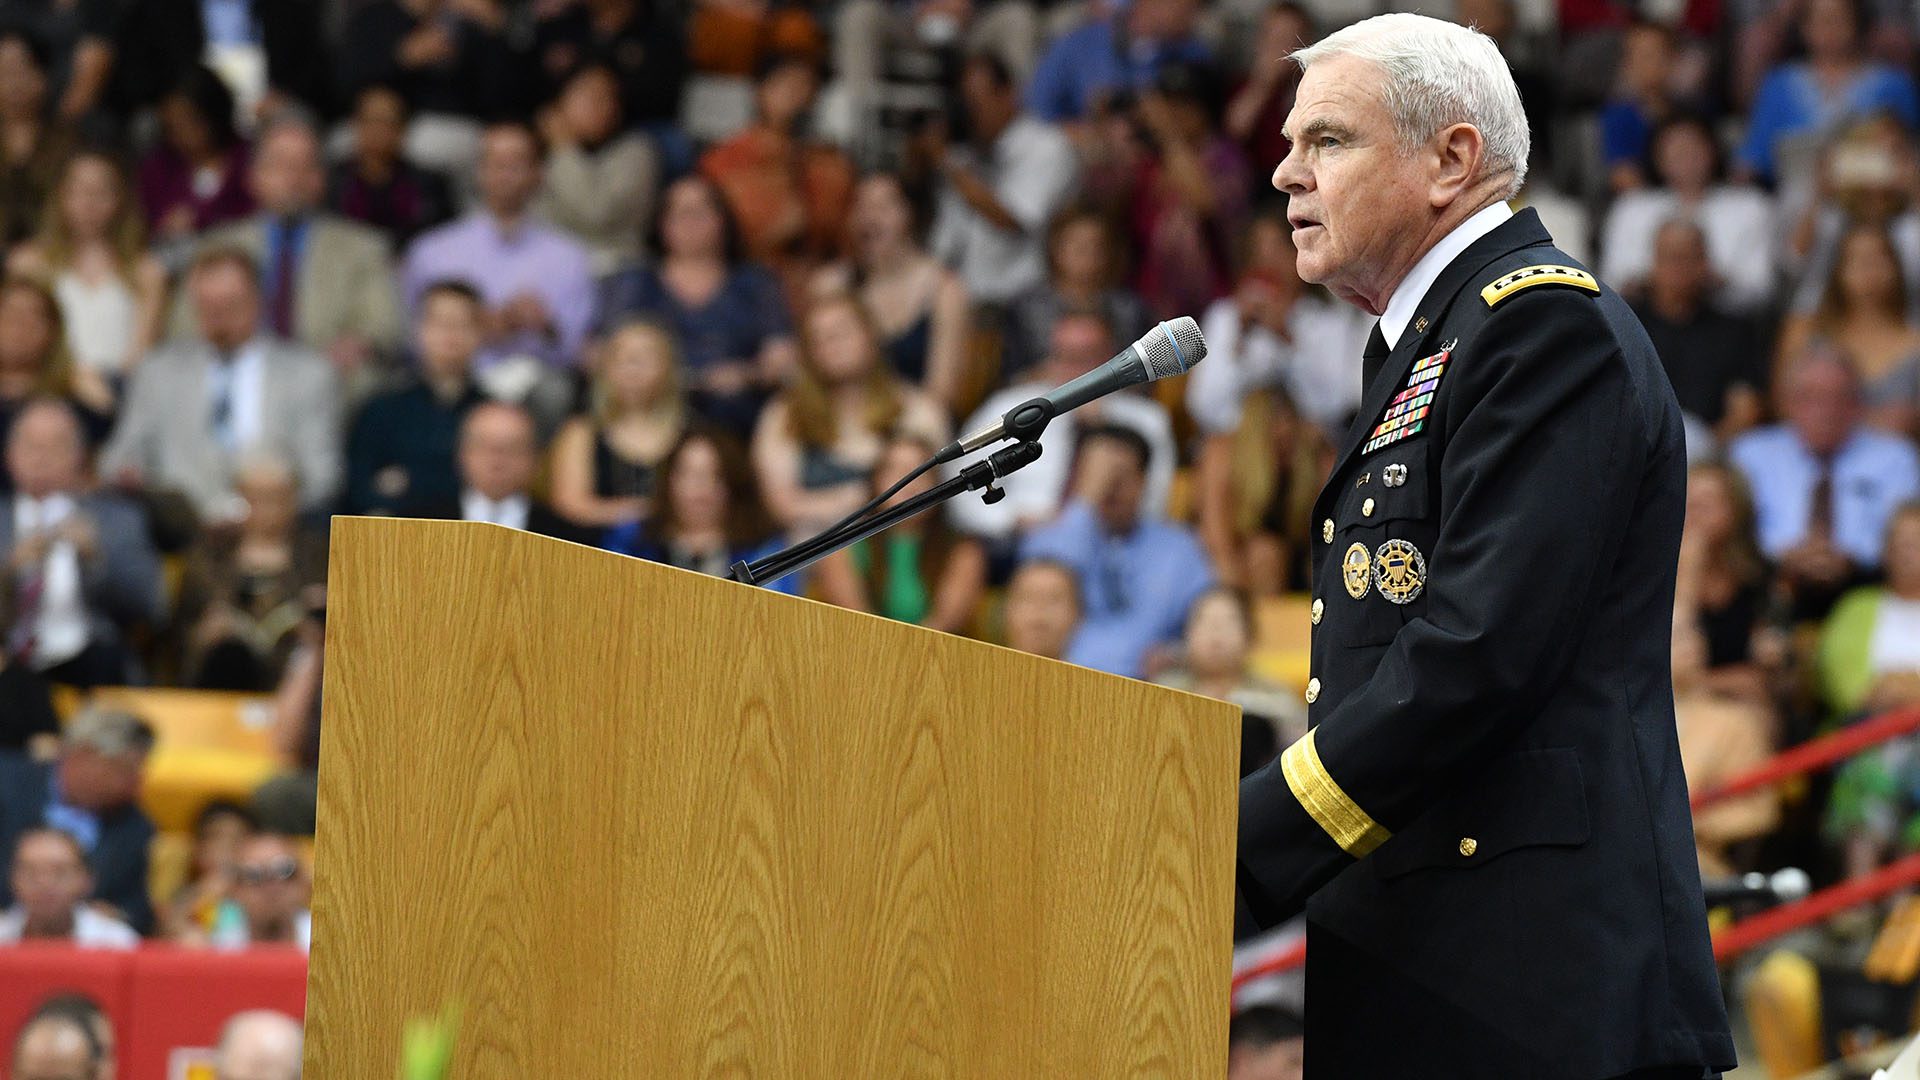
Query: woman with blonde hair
[
  {"x": 91, "y": 248},
  {"x": 605, "y": 463},
  {"x": 1863, "y": 311},
  {"x": 34, "y": 361},
  {"x": 817, "y": 443}
]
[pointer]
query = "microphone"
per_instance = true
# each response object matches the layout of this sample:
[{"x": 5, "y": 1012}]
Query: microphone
[
  {"x": 1779, "y": 887},
  {"x": 1168, "y": 349}
]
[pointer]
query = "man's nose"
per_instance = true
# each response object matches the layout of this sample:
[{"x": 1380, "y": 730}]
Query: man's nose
[{"x": 1289, "y": 176}]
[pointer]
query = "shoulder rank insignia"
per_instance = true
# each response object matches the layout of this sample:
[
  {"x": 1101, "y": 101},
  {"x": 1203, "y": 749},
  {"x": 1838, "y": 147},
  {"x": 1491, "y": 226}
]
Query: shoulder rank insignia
[
  {"x": 1528, "y": 277},
  {"x": 1407, "y": 413}
]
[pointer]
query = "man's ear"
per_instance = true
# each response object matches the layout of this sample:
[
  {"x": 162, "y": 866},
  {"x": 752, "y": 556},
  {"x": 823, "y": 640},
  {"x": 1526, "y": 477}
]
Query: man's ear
[{"x": 1455, "y": 153}]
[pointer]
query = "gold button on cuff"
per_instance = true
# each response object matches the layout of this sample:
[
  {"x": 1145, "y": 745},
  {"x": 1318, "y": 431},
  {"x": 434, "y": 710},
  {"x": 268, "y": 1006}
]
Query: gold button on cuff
[
  {"x": 1319, "y": 609},
  {"x": 1326, "y": 531},
  {"x": 1366, "y": 508},
  {"x": 1313, "y": 691},
  {"x": 1468, "y": 845}
]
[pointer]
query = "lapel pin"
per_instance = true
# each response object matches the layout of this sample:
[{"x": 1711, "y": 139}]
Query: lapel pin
[
  {"x": 1420, "y": 325},
  {"x": 1394, "y": 475}
]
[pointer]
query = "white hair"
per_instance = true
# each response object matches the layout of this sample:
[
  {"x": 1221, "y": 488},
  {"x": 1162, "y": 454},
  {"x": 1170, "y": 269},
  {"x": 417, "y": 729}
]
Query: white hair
[
  {"x": 1438, "y": 74},
  {"x": 261, "y": 1037}
]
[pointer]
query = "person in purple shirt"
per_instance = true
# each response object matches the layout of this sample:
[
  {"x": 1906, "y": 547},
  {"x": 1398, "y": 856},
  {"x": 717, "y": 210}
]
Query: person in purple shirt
[
  {"x": 536, "y": 281},
  {"x": 1118, "y": 55},
  {"x": 1835, "y": 83}
]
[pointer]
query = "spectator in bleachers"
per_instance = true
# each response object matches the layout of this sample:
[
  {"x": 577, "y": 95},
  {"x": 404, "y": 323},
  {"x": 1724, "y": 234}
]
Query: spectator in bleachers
[
  {"x": 1722, "y": 593},
  {"x": 1042, "y": 612},
  {"x": 498, "y": 454},
  {"x": 32, "y": 144},
  {"x": 643, "y": 41},
  {"x": 1086, "y": 271},
  {"x": 242, "y": 591},
  {"x": 34, "y": 361},
  {"x": 87, "y": 1011},
  {"x": 1869, "y": 174},
  {"x": 91, "y": 248},
  {"x": 268, "y": 901},
  {"x": 1863, "y": 311},
  {"x": 1081, "y": 341},
  {"x": 452, "y": 61},
  {"x": 728, "y": 313},
  {"x": 1116, "y": 54},
  {"x": 195, "y": 177},
  {"x": 1277, "y": 331},
  {"x": 602, "y": 179},
  {"x": 1869, "y": 663},
  {"x": 259, "y": 1044},
  {"x": 82, "y": 571},
  {"x": 1641, "y": 102},
  {"x": 51, "y": 883},
  {"x": 1801, "y": 100},
  {"x": 1266, "y": 1043},
  {"x": 1869, "y": 658},
  {"x": 536, "y": 280},
  {"x": 1139, "y": 576},
  {"x": 400, "y": 448},
  {"x": 789, "y": 193},
  {"x": 921, "y": 571},
  {"x": 920, "y": 306},
  {"x": 1256, "y": 114},
  {"x": 326, "y": 282},
  {"x": 190, "y": 914},
  {"x": 1215, "y": 659},
  {"x": 377, "y": 184},
  {"x": 606, "y": 463},
  {"x": 887, "y": 52},
  {"x": 1713, "y": 358},
  {"x": 1255, "y": 486},
  {"x": 1188, "y": 192},
  {"x": 1824, "y": 486},
  {"x": 707, "y": 514},
  {"x": 56, "y": 1047},
  {"x": 737, "y": 37},
  {"x": 1736, "y": 222},
  {"x": 817, "y": 444},
  {"x": 196, "y": 407},
  {"x": 90, "y": 791},
  {"x": 997, "y": 192}
]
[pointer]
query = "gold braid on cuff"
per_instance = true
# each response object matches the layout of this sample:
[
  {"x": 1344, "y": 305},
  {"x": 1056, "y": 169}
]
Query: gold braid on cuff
[{"x": 1351, "y": 827}]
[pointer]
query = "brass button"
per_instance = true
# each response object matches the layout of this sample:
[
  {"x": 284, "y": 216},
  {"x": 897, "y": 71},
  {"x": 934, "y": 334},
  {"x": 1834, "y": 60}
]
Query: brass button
[
  {"x": 1326, "y": 531},
  {"x": 1313, "y": 691},
  {"x": 1319, "y": 609},
  {"x": 1366, "y": 508},
  {"x": 1468, "y": 845}
]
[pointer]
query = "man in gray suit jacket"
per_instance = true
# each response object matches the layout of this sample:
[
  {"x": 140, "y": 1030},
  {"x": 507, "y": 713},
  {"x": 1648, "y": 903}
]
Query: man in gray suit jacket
[
  {"x": 326, "y": 282},
  {"x": 81, "y": 564},
  {"x": 197, "y": 407}
]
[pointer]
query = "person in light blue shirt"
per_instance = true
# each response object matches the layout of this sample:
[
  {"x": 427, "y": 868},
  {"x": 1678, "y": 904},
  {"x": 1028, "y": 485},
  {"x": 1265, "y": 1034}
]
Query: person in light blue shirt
[
  {"x": 1138, "y": 576},
  {"x": 1824, "y": 485},
  {"x": 1119, "y": 54},
  {"x": 1835, "y": 83}
]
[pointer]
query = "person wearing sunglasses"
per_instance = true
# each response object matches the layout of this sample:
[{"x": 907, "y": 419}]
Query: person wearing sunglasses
[{"x": 268, "y": 904}]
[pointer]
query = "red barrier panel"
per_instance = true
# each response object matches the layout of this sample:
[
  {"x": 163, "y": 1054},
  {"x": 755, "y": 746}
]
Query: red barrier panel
[
  {"x": 1815, "y": 754},
  {"x": 1773, "y": 922},
  {"x": 158, "y": 997}
]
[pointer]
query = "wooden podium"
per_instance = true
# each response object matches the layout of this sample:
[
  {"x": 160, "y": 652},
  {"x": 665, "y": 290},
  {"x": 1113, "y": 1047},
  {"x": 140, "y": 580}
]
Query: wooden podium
[{"x": 636, "y": 822}]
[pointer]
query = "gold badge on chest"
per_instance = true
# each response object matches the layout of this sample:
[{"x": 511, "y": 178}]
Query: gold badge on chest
[
  {"x": 1399, "y": 571},
  {"x": 1357, "y": 568}
]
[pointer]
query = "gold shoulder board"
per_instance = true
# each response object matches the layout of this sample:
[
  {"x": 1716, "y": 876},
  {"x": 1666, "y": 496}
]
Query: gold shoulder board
[{"x": 1528, "y": 277}]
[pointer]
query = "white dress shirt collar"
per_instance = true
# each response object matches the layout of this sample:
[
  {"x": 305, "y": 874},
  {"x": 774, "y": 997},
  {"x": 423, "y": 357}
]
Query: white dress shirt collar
[
  {"x": 1413, "y": 288},
  {"x": 511, "y": 511}
]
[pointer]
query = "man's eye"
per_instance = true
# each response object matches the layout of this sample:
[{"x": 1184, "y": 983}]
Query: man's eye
[{"x": 1328, "y": 142}]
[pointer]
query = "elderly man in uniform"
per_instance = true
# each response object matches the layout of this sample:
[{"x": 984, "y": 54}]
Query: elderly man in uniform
[{"x": 1487, "y": 824}]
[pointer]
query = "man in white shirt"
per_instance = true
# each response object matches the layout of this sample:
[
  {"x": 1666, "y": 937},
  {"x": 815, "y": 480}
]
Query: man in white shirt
[
  {"x": 999, "y": 193},
  {"x": 51, "y": 883},
  {"x": 1278, "y": 333},
  {"x": 1081, "y": 342},
  {"x": 83, "y": 565}
]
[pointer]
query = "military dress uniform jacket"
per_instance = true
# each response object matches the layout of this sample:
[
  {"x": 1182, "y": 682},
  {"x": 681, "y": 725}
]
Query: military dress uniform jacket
[{"x": 1487, "y": 824}]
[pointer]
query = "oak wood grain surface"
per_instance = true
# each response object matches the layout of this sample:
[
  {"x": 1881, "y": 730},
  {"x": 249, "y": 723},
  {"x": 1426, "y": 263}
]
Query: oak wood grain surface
[{"x": 642, "y": 823}]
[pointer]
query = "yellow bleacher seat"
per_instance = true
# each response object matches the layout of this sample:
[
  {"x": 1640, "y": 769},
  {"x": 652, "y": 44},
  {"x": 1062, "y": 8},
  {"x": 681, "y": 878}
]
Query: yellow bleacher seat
[{"x": 1282, "y": 634}]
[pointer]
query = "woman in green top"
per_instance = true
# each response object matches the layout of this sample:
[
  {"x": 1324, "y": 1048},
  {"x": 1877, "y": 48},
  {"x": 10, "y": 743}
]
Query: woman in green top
[{"x": 920, "y": 571}]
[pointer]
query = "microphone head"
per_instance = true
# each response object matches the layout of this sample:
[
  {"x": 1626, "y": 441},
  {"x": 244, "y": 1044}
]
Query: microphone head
[{"x": 1172, "y": 348}]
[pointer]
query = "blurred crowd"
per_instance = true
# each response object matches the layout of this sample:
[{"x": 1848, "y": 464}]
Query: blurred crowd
[{"x": 688, "y": 279}]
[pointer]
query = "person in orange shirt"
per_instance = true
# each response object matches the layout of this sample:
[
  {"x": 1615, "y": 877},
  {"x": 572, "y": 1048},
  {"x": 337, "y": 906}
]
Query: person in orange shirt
[{"x": 790, "y": 193}]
